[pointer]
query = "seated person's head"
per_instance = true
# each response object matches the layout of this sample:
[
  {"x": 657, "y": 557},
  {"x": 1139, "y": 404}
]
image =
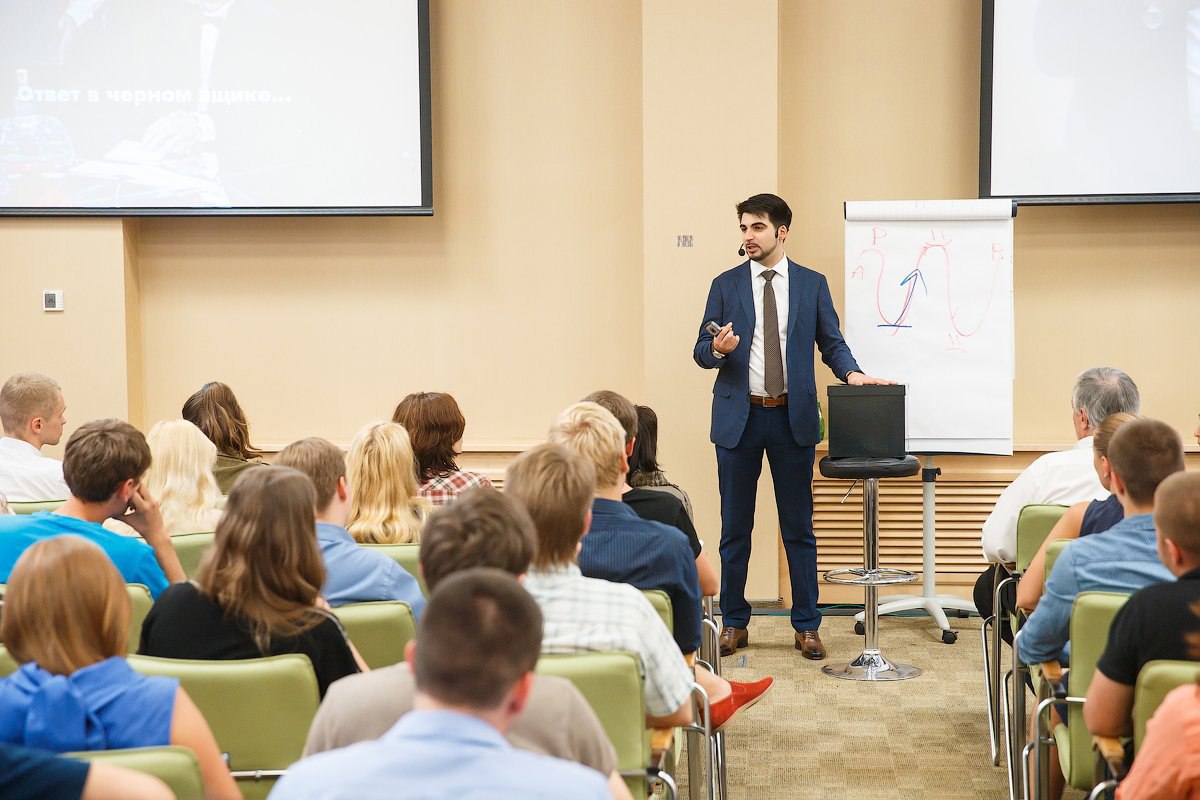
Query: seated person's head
[
  {"x": 65, "y": 607},
  {"x": 478, "y": 641},
  {"x": 1177, "y": 521},
  {"x": 215, "y": 411},
  {"x": 645, "y": 448},
  {"x": 264, "y": 563},
  {"x": 380, "y": 467},
  {"x": 1142, "y": 454},
  {"x": 1100, "y": 441},
  {"x": 1101, "y": 391},
  {"x": 555, "y": 485},
  {"x": 593, "y": 432},
  {"x": 622, "y": 410},
  {"x": 322, "y": 462},
  {"x": 435, "y": 427},
  {"x": 104, "y": 460},
  {"x": 32, "y": 408},
  {"x": 483, "y": 529},
  {"x": 180, "y": 477}
]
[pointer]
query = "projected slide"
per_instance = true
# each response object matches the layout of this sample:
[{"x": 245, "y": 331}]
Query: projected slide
[{"x": 210, "y": 104}]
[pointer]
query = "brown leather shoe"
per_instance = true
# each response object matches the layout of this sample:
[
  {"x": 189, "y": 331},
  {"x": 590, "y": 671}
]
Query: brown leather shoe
[
  {"x": 809, "y": 645},
  {"x": 733, "y": 638}
]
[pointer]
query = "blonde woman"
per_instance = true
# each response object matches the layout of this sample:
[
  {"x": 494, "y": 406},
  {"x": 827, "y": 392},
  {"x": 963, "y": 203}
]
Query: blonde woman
[
  {"x": 181, "y": 477},
  {"x": 258, "y": 589},
  {"x": 66, "y": 621},
  {"x": 382, "y": 473}
]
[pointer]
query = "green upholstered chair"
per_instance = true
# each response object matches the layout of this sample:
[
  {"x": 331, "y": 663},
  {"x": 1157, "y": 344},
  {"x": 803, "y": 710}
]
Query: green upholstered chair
[
  {"x": 140, "y": 603},
  {"x": 259, "y": 710},
  {"x": 406, "y": 555},
  {"x": 177, "y": 767},
  {"x": 31, "y": 506},
  {"x": 8, "y": 664},
  {"x": 1092, "y": 615},
  {"x": 612, "y": 685},
  {"x": 662, "y": 604},
  {"x": 379, "y": 630},
  {"x": 190, "y": 547}
]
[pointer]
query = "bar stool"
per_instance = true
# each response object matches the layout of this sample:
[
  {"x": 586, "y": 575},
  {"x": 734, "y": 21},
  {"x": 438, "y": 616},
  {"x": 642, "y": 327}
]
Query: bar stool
[{"x": 871, "y": 665}]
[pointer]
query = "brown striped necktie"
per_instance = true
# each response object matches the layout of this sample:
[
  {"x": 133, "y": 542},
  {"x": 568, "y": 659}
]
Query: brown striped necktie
[{"x": 772, "y": 352}]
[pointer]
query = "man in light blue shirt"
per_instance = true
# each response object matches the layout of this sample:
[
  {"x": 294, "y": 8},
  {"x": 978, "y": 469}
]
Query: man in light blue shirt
[
  {"x": 353, "y": 574},
  {"x": 476, "y": 647},
  {"x": 103, "y": 465},
  {"x": 1124, "y": 558}
]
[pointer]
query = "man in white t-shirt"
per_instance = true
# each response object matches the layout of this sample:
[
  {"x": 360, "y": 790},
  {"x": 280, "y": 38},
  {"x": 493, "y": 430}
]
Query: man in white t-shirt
[
  {"x": 32, "y": 412},
  {"x": 1062, "y": 478}
]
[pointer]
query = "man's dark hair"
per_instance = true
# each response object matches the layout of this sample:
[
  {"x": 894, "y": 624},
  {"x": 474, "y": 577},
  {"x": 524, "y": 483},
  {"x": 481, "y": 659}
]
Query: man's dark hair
[
  {"x": 479, "y": 634},
  {"x": 482, "y": 528},
  {"x": 1143, "y": 453},
  {"x": 770, "y": 206},
  {"x": 101, "y": 455},
  {"x": 620, "y": 408}
]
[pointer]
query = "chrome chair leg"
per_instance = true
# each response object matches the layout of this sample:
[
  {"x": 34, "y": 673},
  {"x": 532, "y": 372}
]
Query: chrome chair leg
[{"x": 992, "y": 709}]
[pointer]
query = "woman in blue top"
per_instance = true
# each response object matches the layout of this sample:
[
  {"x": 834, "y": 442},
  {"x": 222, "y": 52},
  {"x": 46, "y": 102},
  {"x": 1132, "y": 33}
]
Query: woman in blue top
[{"x": 66, "y": 621}]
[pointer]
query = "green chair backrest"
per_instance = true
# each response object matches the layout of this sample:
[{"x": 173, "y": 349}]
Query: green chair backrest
[
  {"x": 8, "y": 664},
  {"x": 140, "y": 603},
  {"x": 662, "y": 604},
  {"x": 1053, "y": 551},
  {"x": 177, "y": 767},
  {"x": 30, "y": 506},
  {"x": 379, "y": 630},
  {"x": 1033, "y": 525},
  {"x": 1091, "y": 617},
  {"x": 190, "y": 547},
  {"x": 1155, "y": 682},
  {"x": 612, "y": 685},
  {"x": 406, "y": 555},
  {"x": 259, "y": 709}
]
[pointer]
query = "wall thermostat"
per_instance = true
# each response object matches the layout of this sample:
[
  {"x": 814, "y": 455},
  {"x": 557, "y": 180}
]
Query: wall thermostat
[{"x": 52, "y": 300}]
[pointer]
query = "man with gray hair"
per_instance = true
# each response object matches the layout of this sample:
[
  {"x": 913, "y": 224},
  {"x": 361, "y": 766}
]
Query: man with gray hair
[
  {"x": 1064, "y": 477},
  {"x": 32, "y": 412}
]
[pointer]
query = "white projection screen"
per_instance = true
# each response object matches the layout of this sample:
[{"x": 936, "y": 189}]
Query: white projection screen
[
  {"x": 138, "y": 107},
  {"x": 1091, "y": 101}
]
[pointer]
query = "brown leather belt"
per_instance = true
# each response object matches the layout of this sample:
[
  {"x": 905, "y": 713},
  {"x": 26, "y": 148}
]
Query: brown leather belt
[{"x": 769, "y": 402}]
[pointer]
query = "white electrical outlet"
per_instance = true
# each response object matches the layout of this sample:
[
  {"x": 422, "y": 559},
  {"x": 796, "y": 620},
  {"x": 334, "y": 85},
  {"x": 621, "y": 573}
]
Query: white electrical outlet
[{"x": 52, "y": 300}]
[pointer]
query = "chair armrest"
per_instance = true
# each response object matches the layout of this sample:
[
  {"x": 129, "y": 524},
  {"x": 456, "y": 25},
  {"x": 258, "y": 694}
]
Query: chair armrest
[
  {"x": 1052, "y": 672},
  {"x": 1113, "y": 753},
  {"x": 661, "y": 740}
]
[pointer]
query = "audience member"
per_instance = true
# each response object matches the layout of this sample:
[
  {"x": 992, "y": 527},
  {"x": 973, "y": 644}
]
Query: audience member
[
  {"x": 1066, "y": 477},
  {"x": 473, "y": 665},
  {"x": 258, "y": 589},
  {"x": 103, "y": 465},
  {"x": 32, "y": 413},
  {"x": 1081, "y": 519},
  {"x": 353, "y": 574},
  {"x": 585, "y": 614},
  {"x": 436, "y": 425},
  {"x": 27, "y": 774},
  {"x": 1155, "y": 622},
  {"x": 1168, "y": 763},
  {"x": 215, "y": 411},
  {"x": 644, "y": 469},
  {"x": 650, "y": 504},
  {"x": 66, "y": 621},
  {"x": 181, "y": 477},
  {"x": 483, "y": 528},
  {"x": 384, "y": 508},
  {"x": 1142, "y": 454}
]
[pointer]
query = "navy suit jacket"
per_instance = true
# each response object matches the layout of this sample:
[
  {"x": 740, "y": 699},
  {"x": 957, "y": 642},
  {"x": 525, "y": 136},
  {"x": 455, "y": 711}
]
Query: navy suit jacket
[{"x": 811, "y": 321}]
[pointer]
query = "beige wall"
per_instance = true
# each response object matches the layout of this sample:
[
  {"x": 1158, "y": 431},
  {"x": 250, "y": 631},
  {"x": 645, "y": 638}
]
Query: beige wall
[{"x": 573, "y": 142}]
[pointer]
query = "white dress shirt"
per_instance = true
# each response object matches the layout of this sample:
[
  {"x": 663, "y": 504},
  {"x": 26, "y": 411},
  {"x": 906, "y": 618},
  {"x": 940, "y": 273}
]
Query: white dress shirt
[
  {"x": 1062, "y": 478},
  {"x": 28, "y": 476},
  {"x": 757, "y": 345}
]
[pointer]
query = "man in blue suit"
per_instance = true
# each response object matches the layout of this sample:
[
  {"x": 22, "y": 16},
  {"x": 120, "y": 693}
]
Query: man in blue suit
[{"x": 765, "y": 400}]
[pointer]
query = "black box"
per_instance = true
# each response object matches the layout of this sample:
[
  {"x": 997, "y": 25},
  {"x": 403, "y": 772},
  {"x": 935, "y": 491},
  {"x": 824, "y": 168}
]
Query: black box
[{"x": 866, "y": 421}]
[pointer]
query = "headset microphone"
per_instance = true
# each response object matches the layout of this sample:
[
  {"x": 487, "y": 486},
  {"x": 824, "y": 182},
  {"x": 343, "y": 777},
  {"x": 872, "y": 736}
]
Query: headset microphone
[{"x": 742, "y": 250}]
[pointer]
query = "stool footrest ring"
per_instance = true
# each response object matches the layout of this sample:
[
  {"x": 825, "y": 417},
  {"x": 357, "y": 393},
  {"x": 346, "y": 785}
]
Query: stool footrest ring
[{"x": 882, "y": 576}]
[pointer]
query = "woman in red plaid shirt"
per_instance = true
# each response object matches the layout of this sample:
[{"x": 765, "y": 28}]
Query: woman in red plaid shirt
[{"x": 435, "y": 425}]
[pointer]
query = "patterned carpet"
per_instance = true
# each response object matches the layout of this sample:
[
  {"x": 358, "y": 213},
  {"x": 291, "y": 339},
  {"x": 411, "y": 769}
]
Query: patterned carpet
[{"x": 816, "y": 737}]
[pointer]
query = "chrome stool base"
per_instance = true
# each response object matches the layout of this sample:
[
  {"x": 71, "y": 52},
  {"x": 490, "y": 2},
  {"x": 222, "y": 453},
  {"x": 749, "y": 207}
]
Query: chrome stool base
[{"x": 872, "y": 666}]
